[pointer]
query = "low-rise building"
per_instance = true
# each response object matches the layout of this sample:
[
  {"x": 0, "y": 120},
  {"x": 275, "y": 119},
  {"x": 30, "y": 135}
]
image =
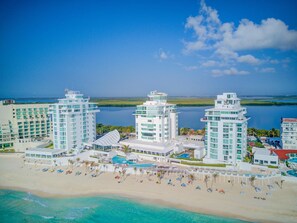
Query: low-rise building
[{"x": 263, "y": 156}]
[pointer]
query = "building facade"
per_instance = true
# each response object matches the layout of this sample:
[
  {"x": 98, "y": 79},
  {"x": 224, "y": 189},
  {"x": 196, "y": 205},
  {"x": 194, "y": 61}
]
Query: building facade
[
  {"x": 156, "y": 120},
  {"x": 23, "y": 123},
  {"x": 226, "y": 130},
  {"x": 263, "y": 156},
  {"x": 289, "y": 133},
  {"x": 74, "y": 121}
]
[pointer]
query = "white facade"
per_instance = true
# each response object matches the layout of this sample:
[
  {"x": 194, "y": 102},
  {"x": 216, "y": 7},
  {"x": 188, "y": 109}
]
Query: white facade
[
  {"x": 23, "y": 124},
  {"x": 226, "y": 130},
  {"x": 156, "y": 120},
  {"x": 263, "y": 156},
  {"x": 74, "y": 121},
  {"x": 289, "y": 133}
]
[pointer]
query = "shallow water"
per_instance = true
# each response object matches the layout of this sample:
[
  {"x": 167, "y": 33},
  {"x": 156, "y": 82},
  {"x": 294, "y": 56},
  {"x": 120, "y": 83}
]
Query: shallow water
[{"x": 25, "y": 207}]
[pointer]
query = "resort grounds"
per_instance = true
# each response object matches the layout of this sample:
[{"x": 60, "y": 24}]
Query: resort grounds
[{"x": 230, "y": 197}]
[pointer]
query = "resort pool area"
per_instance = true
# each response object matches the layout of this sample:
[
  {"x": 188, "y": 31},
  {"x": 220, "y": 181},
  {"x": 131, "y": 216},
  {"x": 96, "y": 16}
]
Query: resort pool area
[
  {"x": 142, "y": 165},
  {"x": 292, "y": 173},
  {"x": 122, "y": 160},
  {"x": 184, "y": 155},
  {"x": 293, "y": 160}
]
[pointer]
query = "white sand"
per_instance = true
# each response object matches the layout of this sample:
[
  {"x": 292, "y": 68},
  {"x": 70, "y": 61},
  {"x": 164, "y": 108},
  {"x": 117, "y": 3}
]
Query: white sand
[{"x": 281, "y": 206}]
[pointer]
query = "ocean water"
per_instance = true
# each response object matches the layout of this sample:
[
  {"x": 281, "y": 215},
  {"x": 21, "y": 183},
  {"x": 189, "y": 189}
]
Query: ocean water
[{"x": 25, "y": 207}]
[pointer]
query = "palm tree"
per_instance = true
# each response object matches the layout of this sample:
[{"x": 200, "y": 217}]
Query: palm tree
[
  {"x": 87, "y": 164},
  {"x": 126, "y": 149},
  {"x": 206, "y": 179},
  {"x": 55, "y": 164},
  {"x": 252, "y": 180},
  {"x": 71, "y": 163},
  {"x": 141, "y": 171},
  {"x": 159, "y": 177},
  {"x": 214, "y": 177},
  {"x": 77, "y": 159},
  {"x": 191, "y": 178},
  {"x": 281, "y": 185}
]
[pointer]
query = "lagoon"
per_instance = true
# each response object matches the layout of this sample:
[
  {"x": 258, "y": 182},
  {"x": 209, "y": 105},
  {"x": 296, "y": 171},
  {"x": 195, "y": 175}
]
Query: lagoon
[{"x": 262, "y": 117}]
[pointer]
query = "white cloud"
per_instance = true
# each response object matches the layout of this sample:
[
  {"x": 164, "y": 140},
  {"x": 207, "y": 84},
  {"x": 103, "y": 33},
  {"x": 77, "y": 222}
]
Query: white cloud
[
  {"x": 231, "y": 71},
  {"x": 268, "y": 70},
  {"x": 227, "y": 40},
  {"x": 163, "y": 55},
  {"x": 269, "y": 34},
  {"x": 209, "y": 63},
  {"x": 191, "y": 68},
  {"x": 248, "y": 59},
  {"x": 210, "y": 32}
]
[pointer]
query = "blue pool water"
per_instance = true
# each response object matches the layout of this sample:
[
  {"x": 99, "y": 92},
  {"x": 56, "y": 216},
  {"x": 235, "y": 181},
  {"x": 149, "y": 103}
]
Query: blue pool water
[
  {"x": 292, "y": 173},
  {"x": 122, "y": 160},
  {"x": 293, "y": 160},
  {"x": 184, "y": 155},
  {"x": 25, "y": 207},
  {"x": 142, "y": 165}
]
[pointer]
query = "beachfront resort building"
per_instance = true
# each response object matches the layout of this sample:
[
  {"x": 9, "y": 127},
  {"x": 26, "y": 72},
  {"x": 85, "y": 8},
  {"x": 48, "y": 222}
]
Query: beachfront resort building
[
  {"x": 23, "y": 125},
  {"x": 74, "y": 121},
  {"x": 156, "y": 120},
  {"x": 156, "y": 126},
  {"x": 226, "y": 130},
  {"x": 289, "y": 133}
]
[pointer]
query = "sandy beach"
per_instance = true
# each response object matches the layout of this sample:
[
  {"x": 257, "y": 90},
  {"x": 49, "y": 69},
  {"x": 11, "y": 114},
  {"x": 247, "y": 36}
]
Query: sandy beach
[{"x": 277, "y": 205}]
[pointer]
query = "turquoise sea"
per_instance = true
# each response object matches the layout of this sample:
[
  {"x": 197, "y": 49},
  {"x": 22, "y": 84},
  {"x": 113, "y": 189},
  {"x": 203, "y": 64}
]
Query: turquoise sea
[{"x": 25, "y": 207}]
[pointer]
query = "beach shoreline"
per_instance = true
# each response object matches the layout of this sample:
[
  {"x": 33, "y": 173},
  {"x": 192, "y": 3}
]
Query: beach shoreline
[
  {"x": 231, "y": 205},
  {"x": 146, "y": 201}
]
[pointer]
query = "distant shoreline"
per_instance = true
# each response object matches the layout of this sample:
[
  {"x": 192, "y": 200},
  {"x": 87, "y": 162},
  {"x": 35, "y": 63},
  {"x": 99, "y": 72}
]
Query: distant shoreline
[{"x": 179, "y": 101}]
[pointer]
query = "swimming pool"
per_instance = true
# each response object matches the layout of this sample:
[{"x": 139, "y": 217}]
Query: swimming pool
[
  {"x": 184, "y": 155},
  {"x": 292, "y": 173},
  {"x": 293, "y": 160},
  {"x": 142, "y": 165},
  {"x": 122, "y": 160}
]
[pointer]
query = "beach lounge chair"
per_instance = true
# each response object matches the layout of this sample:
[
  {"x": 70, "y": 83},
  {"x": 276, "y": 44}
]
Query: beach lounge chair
[
  {"x": 221, "y": 191},
  {"x": 257, "y": 189},
  {"x": 198, "y": 188}
]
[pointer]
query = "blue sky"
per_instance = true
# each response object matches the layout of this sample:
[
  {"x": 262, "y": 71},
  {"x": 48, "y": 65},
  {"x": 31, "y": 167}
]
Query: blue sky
[{"x": 127, "y": 48}]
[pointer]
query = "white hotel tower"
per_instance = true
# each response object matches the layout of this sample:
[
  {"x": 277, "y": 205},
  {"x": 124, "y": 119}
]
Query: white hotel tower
[
  {"x": 74, "y": 121},
  {"x": 226, "y": 130},
  {"x": 156, "y": 120}
]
